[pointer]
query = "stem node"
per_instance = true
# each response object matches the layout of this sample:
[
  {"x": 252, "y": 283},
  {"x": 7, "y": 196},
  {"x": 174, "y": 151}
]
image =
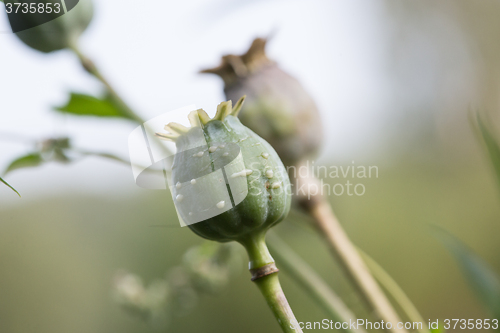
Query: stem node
[{"x": 266, "y": 270}]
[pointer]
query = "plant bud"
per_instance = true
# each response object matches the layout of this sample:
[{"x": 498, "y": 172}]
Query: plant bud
[
  {"x": 277, "y": 108},
  {"x": 239, "y": 157},
  {"x": 49, "y": 28}
]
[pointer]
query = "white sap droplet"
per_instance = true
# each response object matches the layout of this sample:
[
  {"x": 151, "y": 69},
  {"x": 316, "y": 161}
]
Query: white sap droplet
[
  {"x": 193, "y": 181},
  {"x": 222, "y": 146},
  {"x": 179, "y": 197},
  {"x": 241, "y": 140},
  {"x": 199, "y": 154},
  {"x": 212, "y": 149},
  {"x": 225, "y": 154},
  {"x": 178, "y": 185},
  {"x": 265, "y": 155},
  {"x": 269, "y": 173},
  {"x": 243, "y": 173},
  {"x": 276, "y": 185},
  {"x": 221, "y": 205}
]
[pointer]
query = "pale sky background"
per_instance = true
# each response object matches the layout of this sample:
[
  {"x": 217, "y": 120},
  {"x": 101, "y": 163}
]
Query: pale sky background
[{"x": 151, "y": 52}]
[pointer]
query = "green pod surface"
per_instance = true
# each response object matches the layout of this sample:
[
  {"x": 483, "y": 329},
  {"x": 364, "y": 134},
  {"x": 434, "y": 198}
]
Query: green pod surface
[
  {"x": 59, "y": 31},
  {"x": 268, "y": 199}
]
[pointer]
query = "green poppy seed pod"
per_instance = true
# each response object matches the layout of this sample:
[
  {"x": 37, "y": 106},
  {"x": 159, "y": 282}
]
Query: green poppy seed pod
[
  {"x": 277, "y": 108},
  {"x": 234, "y": 160},
  {"x": 52, "y": 31}
]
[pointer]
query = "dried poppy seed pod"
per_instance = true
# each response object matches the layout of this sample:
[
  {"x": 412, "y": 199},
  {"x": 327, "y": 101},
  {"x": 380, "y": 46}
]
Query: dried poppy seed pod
[
  {"x": 277, "y": 107},
  {"x": 247, "y": 160},
  {"x": 49, "y": 28}
]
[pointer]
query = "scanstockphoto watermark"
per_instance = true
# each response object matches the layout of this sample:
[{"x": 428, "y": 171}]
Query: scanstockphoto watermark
[
  {"x": 333, "y": 180},
  {"x": 431, "y": 324},
  {"x": 358, "y": 324}
]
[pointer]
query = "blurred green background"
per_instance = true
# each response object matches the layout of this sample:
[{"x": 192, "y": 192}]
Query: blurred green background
[
  {"x": 59, "y": 254},
  {"x": 60, "y": 250}
]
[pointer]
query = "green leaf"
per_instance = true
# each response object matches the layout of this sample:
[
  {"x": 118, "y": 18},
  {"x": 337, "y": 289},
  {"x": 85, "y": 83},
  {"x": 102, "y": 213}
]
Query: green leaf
[
  {"x": 482, "y": 279},
  {"x": 27, "y": 161},
  {"x": 86, "y": 105},
  {"x": 3, "y": 181},
  {"x": 491, "y": 144}
]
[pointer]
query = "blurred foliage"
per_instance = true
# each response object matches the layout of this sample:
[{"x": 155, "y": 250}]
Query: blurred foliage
[
  {"x": 26, "y": 161},
  {"x": 484, "y": 281},
  {"x": 491, "y": 143},
  {"x": 46, "y": 150},
  {"x": 205, "y": 269},
  {"x": 147, "y": 303},
  {"x": 86, "y": 105},
  {"x": 13, "y": 189},
  {"x": 210, "y": 265},
  {"x": 56, "y": 150}
]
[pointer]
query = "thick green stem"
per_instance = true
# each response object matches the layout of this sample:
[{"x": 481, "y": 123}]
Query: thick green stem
[
  {"x": 257, "y": 250},
  {"x": 311, "y": 282},
  {"x": 271, "y": 290},
  {"x": 265, "y": 276},
  {"x": 116, "y": 99}
]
